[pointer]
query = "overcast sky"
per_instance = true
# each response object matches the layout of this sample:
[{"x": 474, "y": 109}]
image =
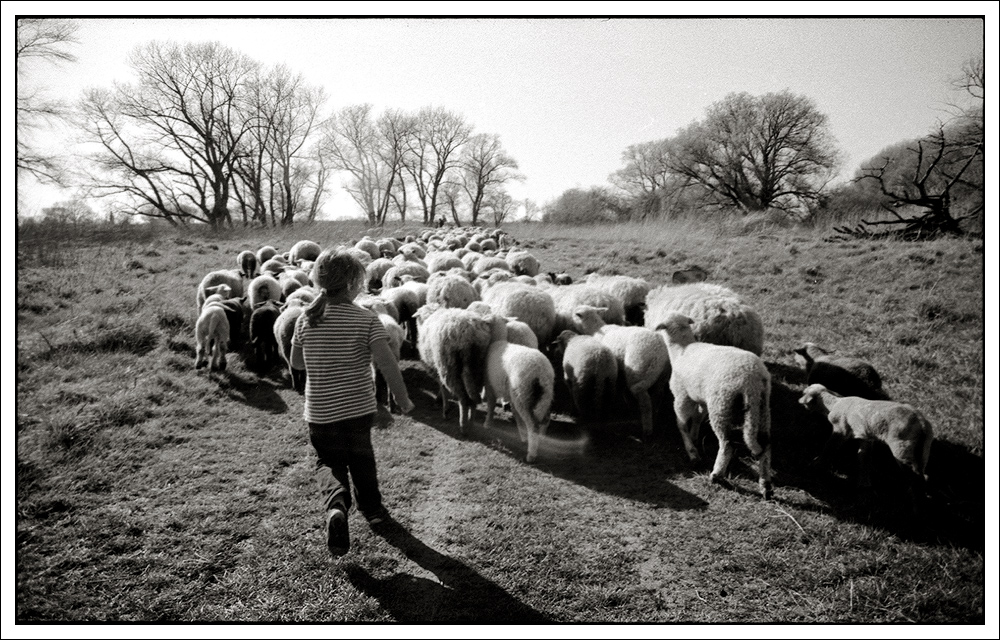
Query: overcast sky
[{"x": 567, "y": 96}]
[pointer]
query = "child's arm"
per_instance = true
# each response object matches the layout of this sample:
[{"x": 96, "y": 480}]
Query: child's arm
[{"x": 386, "y": 362}]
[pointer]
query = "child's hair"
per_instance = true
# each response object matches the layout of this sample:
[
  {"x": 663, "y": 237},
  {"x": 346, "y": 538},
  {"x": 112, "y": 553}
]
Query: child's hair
[{"x": 334, "y": 272}]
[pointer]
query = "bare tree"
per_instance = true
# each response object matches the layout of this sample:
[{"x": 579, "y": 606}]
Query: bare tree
[
  {"x": 42, "y": 40},
  {"x": 934, "y": 171},
  {"x": 646, "y": 170},
  {"x": 532, "y": 210},
  {"x": 758, "y": 152},
  {"x": 485, "y": 166},
  {"x": 432, "y": 152},
  {"x": 500, "y": 205},
  {"x": 170, "y": 141},
  {"x": 370, "y": 151}
]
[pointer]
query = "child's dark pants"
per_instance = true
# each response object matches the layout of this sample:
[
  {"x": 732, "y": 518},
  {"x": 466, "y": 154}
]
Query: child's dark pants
[{"x": 346, "y": 446}]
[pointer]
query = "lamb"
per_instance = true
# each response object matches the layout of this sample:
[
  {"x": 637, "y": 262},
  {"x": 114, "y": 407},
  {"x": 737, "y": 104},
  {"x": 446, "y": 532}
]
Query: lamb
[
  {"x": 525, "y": 378},
  {"x": 641, "y": 354},
  {"x": 631, "y": 291},
  {"x": 903, "y": 428},
  {"x": 517, "y": 332},
  {"x": 590, "y": 371},
  {"x": 393, "y": 277},
  {"x": 407, "y": 301},
  {"x": 568, "y": 298},
  {"x": 375, "y": 271},
  {"x": 262, "y": 288},
  {"x": 396, "y": 338},
  {"x": 284, "y": 328},
  {"x": 211, "y": 334},
  {"x": 227, "y": 277},
  {"x": 527, "y": 303},
  {"x": 454, "y": 343},
  {"x": 729, "y": 385},
  {"x": 842, "y": 375},
  {"x": 247, "y": 261},
  {"x": 262, "y": 338},
  {"x": 273, "y": 266},
  {"x": 721, "y": 317}
]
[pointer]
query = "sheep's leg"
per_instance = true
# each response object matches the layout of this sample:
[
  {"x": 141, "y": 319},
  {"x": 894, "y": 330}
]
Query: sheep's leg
[
  {"x": 522, "y": 425},
  {"x": 444, "y": 399},
  {"x": 864, "y": 464},
  {"x": 464, "y": 414},
  {"x": 722, "y": 459},
  {"x": 764, "y": 469},
  {"x": 645, "y": 411},
  {"x": 688, "y": 419},
  {"x": 491, "y": 403}
]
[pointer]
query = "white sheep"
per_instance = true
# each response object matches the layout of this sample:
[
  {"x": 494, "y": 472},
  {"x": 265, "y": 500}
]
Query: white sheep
[
  {"x": 524, "y": 377},
  {"x": 265, "y": 253},
  {"x": 228, "y": 277},
  {"x": 521, "y": 262},
  {"x": 262, "y": 288},
  {"x": 842, "y": 375},
  {"x": 450, "y": 290},
  {"x": 454, "y": 343},
  {"x": 904, "y": 429},
  {"x": 720, "y": 315},
  {"x": 302, "y": 295},
  {"x": 304, "y": 250},
  {"x": 211, "y": 334},
  {"x": 284, "y": 328},
  {"x": 443, "y": 261},
  {"x": 527, "y": 303},
  {"x": 641, "y": 355},
  {"x": 729, "y": 386},
  {"x": 369, "y": 246},
  {"x": 590, "y": 371},
  {"x": 631, "y": 291}
]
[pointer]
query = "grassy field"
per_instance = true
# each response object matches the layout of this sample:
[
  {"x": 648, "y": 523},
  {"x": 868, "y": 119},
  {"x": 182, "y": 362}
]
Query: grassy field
[{"x": 149, "y": 491}]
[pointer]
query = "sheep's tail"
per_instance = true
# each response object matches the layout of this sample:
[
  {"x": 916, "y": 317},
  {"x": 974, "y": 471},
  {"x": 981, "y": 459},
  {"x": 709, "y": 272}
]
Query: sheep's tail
[
  {"x": 925, "y": 454},
  {"x": 540, "y": 399},
  {"x": 471, "y": 365},
  {"x": 756, "y": 407}
]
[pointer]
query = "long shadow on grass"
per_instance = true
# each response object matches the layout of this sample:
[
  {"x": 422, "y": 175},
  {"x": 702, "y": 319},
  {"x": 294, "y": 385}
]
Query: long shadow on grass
[
  {"x": 609, "y": 458},
  {"x": 462, "y": 595},
  {"x": 255, "y": 391},
  {"x": 954, "y": 514}
]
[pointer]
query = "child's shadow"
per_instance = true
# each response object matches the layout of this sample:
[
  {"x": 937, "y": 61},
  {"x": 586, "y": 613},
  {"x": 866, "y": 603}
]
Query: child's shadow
[{"x": 461, "y": 595}]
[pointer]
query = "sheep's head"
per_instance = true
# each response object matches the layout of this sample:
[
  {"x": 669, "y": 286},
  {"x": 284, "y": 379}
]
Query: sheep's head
[
  {"x": 588, "y": 319},
  {"x": 679, "y": 328},
  {"x": 812, "y": 398},
  {"x": 694, "y": 274},
  {"x": 221, "y": 290}
]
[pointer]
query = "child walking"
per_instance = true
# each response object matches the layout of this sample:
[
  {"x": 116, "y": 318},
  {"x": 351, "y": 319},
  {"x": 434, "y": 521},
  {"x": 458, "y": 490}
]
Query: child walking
[{"x": 336, "y": 341}]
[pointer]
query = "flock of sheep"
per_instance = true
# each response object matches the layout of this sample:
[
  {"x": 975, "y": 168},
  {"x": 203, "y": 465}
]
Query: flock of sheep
[{"x": 491, "y": 325}]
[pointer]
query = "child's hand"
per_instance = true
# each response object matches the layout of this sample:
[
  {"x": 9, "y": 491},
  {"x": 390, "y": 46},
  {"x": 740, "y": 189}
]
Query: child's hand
[
  {"x": 383, "y": 419},
  {"x": 405, "y": 405}
]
